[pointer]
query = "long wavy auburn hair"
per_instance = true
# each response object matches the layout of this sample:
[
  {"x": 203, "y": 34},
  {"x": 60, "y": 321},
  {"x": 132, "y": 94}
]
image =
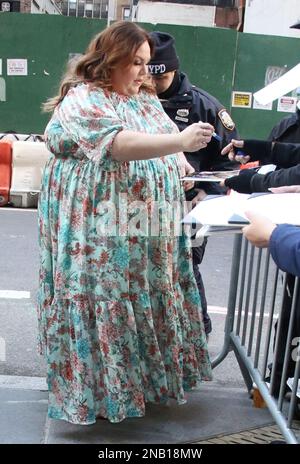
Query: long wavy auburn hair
[{"x": 115, "y": 46}]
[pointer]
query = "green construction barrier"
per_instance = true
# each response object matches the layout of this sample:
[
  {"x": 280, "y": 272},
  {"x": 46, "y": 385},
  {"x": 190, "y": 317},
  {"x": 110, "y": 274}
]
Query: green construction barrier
[
  {"x": 218, "y": 60},
  {"x": 46, "y": 42},
  {"x": 257, "y": 55}
]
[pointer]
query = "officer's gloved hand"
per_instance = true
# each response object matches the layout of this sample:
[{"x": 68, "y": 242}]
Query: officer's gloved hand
[{"x": 242, "y": 182}]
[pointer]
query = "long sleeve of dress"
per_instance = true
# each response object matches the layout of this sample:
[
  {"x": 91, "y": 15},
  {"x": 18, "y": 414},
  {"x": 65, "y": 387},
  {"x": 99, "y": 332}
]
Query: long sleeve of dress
[{"x": 285, "y": 248}]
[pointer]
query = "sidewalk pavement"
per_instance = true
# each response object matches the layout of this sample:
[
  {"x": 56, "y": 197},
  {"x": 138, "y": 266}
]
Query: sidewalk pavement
[{"x": 211, "y": 411}]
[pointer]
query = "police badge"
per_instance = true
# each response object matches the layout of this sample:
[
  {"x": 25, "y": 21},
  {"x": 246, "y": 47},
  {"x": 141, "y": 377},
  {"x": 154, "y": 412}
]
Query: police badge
[
  {"x": 226, "y": 119},
  {"x": 182, "y": 115},
  {"x": 183, "y": 112}
]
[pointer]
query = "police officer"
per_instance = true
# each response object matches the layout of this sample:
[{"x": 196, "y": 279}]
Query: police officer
[
  {"x": 186, "y": 104},
  {"x": 288, "y": 129}
]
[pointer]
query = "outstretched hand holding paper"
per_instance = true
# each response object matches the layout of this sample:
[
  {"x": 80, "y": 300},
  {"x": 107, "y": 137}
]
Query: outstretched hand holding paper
[
  {"x": 259, "y": 231},
  {"x": 224, "y": 210}
]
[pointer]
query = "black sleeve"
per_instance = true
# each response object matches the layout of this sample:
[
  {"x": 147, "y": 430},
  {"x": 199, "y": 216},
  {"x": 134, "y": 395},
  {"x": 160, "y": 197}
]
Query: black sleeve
[
  {"x": 286, "y": 155},
  {"x": 258, "y": 150},
  {"x": 289, "y": 176}
]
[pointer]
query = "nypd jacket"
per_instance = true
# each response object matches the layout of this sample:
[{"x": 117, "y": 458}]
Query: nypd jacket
[
  {"x": 188, "y": 105},
  {"x": 287, "y": 130},
  {"x": 285, "y": 248}
]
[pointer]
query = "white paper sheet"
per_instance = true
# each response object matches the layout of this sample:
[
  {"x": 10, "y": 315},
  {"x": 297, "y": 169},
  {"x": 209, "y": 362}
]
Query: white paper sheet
[{"x": 278, "y": 207}]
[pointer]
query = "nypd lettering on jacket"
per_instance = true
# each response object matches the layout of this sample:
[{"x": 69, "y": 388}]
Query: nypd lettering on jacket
[{"x": 157, "y": 68}]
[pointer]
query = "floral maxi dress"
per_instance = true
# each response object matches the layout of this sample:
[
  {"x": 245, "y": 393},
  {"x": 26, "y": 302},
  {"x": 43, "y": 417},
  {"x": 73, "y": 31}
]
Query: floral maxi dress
[{"x": 119, "y": 312}]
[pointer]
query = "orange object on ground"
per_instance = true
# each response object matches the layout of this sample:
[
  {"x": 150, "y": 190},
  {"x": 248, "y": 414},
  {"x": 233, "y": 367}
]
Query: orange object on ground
[{"x": 5, "y": 170}]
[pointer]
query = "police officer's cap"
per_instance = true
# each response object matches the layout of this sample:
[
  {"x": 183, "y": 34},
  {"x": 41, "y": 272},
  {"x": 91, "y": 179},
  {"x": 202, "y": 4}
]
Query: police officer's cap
[{"x": 165, "y": 58}]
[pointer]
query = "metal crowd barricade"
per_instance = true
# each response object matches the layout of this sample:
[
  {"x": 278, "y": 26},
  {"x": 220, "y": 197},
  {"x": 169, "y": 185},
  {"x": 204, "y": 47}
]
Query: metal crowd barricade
[
  {"x": 257, "y": 303},
  {"x": 13, "y": 136}
]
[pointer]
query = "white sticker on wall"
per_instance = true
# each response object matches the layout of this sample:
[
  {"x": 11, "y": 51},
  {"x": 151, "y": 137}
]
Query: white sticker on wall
[
  {"x": 0, "y": 66},
  {"x": 287, "y": 104},
  {"x": 259, "y": 106},
  {"x": 17, "y": 67}
]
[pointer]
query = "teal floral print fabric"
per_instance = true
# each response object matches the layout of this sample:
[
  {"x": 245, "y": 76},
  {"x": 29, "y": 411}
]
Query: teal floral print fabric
[{"x": 119, "y": 312}]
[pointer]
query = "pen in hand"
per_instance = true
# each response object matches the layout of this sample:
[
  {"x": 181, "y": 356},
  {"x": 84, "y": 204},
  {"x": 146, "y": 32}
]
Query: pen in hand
[
  {"x": 217, "y": 137},
  {"x": 239, "y": 152}
]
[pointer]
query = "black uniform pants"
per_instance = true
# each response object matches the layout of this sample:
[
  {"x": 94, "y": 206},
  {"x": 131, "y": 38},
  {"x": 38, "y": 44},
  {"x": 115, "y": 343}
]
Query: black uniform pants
[{"x": 198, "y": 253}]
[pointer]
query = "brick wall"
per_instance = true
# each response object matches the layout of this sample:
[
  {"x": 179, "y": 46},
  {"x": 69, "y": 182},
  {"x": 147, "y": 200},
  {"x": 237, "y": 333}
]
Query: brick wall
[
  {"x": 25, "y": 6},
  {"x": 227, "y": 17}
]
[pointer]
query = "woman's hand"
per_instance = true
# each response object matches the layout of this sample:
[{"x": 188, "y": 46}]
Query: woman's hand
[
  {"x": 196, "y": 136},
  {"x": 259, "y": 231},
  {"x": 233, "y": 152},
  {"x": 286, "y": 189}
]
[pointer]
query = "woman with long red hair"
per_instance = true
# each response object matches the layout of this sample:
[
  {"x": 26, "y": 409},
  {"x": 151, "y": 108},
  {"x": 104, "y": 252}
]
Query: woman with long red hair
[{"x": 118, "y": 305}]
